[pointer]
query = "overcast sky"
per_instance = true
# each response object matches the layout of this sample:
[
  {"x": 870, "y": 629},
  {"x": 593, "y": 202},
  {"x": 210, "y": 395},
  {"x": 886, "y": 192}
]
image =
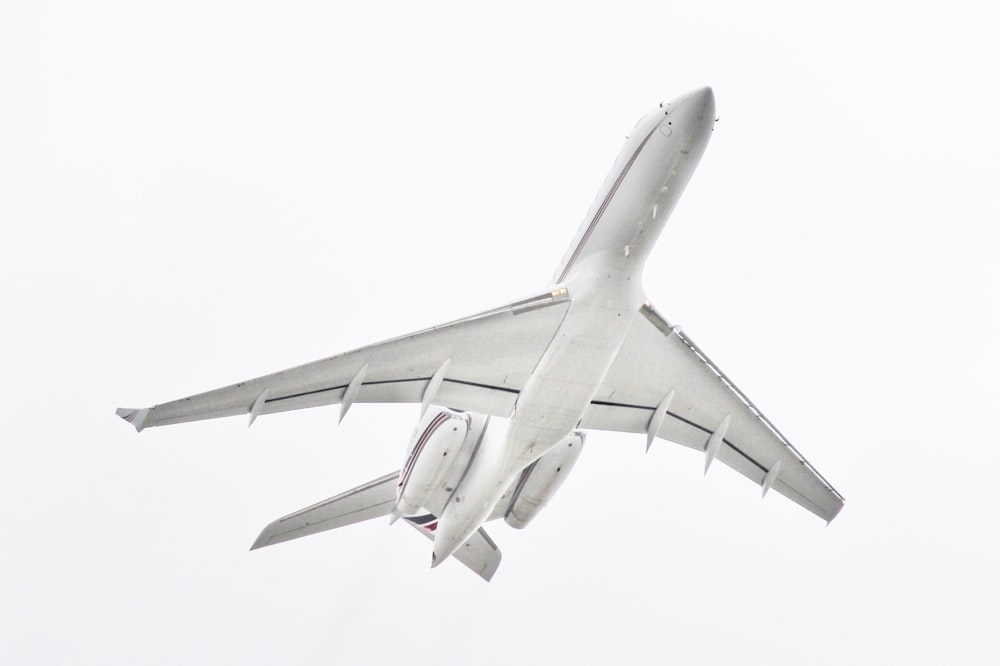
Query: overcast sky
[{"x": 194, "y": 193}]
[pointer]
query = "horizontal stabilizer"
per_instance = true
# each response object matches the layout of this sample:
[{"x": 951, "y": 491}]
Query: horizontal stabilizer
[
  {"x": 372, "y": 500},
  {"x": 479, "y": 553}
]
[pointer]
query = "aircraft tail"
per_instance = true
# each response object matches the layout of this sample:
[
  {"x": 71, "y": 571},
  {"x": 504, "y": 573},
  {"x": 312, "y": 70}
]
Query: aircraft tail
[
  {"x": 374, "y": 500},
  {"x": 479, "y": 552}
]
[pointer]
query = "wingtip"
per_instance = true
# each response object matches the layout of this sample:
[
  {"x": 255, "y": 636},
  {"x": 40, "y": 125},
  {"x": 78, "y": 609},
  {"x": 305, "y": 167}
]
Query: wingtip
[
  {"x": 266, "y": 536},
  {"x": 261, "y": 541},
  {"x": 487, "y": 573},
  {"x": 137, "y": 417},
  {"x": 835, "y": 514}
]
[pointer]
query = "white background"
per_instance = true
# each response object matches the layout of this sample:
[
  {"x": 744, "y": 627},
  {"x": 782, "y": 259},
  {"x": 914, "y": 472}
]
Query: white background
[{"x": 194, "y": 193}]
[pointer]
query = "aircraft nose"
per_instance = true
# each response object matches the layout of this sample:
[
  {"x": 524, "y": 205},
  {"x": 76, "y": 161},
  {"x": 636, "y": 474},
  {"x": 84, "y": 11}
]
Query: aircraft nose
[
  {"x": 694, "y": 111},
  {"x": 704, "y": 98},
  {"x": 698, "y": 103}
]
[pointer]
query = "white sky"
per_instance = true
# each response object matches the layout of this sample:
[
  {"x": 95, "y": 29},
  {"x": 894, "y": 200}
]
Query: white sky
[{"x": 200, "y": 192}]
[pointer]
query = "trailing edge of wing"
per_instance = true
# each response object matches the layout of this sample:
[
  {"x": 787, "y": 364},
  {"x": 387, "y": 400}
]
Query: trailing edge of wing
[
  {"x": 656, "y": 358},
  {"x": 492, "y": 354}
]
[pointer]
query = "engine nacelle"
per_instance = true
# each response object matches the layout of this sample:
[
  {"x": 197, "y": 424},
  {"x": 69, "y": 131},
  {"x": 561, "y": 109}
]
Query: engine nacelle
[
  {"x": 541, "y": 479},
  {"x": 436, "y": 441}
]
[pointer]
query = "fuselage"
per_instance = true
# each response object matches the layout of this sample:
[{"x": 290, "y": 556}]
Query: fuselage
[{"x": 602, "y": 273}]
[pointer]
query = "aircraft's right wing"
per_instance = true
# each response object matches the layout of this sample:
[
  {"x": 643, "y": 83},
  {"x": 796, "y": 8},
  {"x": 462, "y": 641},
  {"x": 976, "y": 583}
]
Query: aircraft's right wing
[{"x": 478, "y": 364}]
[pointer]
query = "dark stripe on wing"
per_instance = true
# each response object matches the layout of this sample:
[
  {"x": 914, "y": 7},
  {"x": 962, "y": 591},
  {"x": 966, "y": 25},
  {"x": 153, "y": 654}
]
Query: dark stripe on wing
[{"x": 680, "y": 418}]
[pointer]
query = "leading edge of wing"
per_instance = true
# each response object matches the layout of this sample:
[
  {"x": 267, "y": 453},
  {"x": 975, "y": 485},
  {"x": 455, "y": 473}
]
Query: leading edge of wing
[{"x": 488, "y": 357}]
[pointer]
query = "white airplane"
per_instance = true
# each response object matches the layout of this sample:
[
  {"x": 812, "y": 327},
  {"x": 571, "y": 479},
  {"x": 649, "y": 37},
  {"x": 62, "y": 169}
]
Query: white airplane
[{"x": 524, "y": 381}]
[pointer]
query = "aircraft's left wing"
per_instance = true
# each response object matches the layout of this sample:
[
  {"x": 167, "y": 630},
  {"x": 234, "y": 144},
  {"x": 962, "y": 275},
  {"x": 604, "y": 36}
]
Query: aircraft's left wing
[
  {"x": 479, "y": 364},
  {"x": 663, "y": 385}
]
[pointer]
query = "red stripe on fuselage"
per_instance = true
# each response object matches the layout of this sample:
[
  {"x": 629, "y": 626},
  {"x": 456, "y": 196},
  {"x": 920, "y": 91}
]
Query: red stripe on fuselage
[{"x": 434, "y": 425}]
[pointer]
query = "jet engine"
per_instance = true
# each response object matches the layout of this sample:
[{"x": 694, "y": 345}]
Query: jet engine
[
  {"x": 436, "y": 441},
  {"x": 541, "y": 479}
]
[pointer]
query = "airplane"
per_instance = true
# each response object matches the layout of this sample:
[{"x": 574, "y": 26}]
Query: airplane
[{"x": 507, "y": 395}]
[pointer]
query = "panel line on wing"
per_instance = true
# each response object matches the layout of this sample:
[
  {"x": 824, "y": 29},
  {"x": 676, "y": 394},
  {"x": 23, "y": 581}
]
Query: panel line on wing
[
  {"x": 664, "y": 326},
  {"x": 463, "y": 382},
  {"x": 680, "y": 418},
  {"x": 344, "y": 386}
]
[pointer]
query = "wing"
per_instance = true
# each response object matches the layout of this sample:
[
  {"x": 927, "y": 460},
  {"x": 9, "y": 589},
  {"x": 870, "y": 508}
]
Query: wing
[
  {"x": 479, "y": 364},
  {"x": 372, "y": 500},
  {"x": 662, "y": 382}
]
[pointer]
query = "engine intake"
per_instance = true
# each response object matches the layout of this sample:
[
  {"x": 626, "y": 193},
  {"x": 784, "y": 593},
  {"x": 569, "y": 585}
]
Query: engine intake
[{"x": 436, "y": 441}]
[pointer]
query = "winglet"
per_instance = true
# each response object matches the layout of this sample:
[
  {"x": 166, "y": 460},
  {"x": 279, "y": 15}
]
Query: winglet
[{"x": 137, "y": 417}]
